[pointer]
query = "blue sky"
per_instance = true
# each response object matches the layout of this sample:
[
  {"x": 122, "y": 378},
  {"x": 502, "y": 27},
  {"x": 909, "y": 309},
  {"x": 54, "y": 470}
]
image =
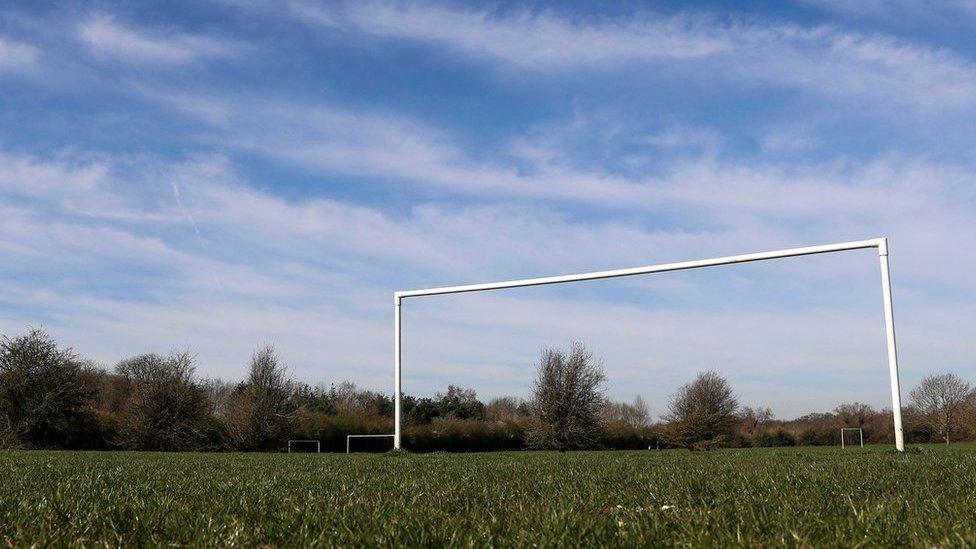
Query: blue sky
[{"x": 218, "y": 175}]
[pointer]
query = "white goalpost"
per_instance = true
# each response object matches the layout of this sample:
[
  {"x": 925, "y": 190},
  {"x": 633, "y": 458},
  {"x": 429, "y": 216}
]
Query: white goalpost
[
  {"x": 860, "y": 433},
  {"x": 318, "y": 444},
  {"x": 881, "y": 244}
]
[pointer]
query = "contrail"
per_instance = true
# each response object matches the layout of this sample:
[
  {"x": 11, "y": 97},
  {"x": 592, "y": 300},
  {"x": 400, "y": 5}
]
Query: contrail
[
  {"x": 186, "y": 213},
  {"x": 196, "y": 231}
]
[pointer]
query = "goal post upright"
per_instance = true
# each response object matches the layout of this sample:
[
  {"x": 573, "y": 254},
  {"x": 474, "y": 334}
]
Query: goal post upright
[
  {"x": 880, "y": 243},
  {"x": 892, "y": 347},
  {"x": 397, "y": 389}
]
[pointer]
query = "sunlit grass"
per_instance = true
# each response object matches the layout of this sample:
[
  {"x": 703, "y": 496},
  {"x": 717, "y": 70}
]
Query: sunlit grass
[{"x": 866, "y": 497}]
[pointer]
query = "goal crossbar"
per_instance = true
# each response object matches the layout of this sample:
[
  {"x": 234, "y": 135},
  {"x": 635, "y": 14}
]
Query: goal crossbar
[
  {"x": 860, "y": 432},
  {"x": 881, "y": 244},
  {"x": 318, "y": 444}
]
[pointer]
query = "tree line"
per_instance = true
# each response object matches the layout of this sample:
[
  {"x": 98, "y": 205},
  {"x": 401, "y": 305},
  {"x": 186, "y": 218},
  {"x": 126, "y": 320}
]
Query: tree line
[{"x": 52, "y": 398}]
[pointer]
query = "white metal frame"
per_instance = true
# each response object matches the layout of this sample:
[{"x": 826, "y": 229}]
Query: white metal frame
[
  {"x": 318, "y": 445},
  {"x": 880, "y": 243},
  {"x": 350, "y": 437},
  {"x": 859, "y": 430}
]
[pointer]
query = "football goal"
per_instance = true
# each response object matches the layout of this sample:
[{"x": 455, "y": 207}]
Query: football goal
[
  {"x": 305, "y": 444},
  {"x": 860, "y": 433},
  {"x": 881, "y": 244}
]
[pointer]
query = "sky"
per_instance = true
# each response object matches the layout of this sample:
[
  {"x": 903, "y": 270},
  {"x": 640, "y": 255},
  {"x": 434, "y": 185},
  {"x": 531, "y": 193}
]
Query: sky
[{"x": 224, "y": 174}]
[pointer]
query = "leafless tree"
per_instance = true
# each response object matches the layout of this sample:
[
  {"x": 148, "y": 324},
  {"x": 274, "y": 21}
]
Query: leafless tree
[
  {"x": 943, "y": 399},
  {"x": 506, "y": 409},
  {"x": 345, "y": 397},
  {"x": 568, "y": 395},
  {"x": 163, "y": 407},
  {"x": 969, "y": 416},
  {"x": 262, "y": 410},
  {"x": 754, "y": 420},
  {"x": 854, "y": 414},
  {"x": 635, "y": 414},
  {"x": 702, "y": 413},
  {"x": 45, "y": 392},
  {"x": 219, "y": 394}
]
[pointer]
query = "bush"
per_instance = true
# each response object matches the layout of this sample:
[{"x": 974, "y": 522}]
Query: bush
[
  {"x": 163, "y": 408},
  {"x": 702, "y": 413},
  {"x": 464, "y": 435},
  {"x": 622, "y": 436},
  {"x": 331, "y": 429},
  {"x": 44, "y": 394},
  {"x": 460, "y": 403},
  {"x": 779, "y": 437},
  {"x": 262, "y": 409},
  {"x": 568, "y": 398}
]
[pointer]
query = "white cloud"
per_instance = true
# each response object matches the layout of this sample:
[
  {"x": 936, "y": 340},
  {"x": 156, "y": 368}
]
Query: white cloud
[
  {"x": 841, "y": 64},
  {"x": 97, "y": 249},
  {"x": 369, "y": 145},
  {"x": 899, "y": 9},
  {"x": 16, "y": 56},
  {"x": 108, "y": 38},
  {"x": 541, "y": 40},
  {"x": 823, "y": 60},
  {"x": 314, "y": 276},
  {"x": 25, "y": 175}
]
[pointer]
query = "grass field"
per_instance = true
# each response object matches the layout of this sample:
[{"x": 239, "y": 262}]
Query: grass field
[{"x": 808, "y": 496}]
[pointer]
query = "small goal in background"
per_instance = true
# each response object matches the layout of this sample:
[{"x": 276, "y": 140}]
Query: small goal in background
[
  {"x": 307, "y": 444},
  {"x": 350, "y": 437},
  {"x": 860, "y": 435}
]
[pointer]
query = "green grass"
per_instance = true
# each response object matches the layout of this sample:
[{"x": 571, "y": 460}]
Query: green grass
[{"x": 826, "y": 496}]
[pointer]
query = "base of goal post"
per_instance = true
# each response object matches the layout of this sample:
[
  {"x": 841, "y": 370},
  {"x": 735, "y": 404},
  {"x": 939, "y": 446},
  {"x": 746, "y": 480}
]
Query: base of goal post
[
  {"x": 350, "y": 437},
  {"x": 845, "y": 429},
  {"x": 318, "y": 445}
]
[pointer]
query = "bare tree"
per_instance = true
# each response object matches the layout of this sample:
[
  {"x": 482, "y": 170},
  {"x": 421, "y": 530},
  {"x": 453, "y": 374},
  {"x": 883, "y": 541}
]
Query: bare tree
[
  {"x": 44, "y": 392},
  {"x": 754, "y": 420},
  {"x": 855, "y": 414},
  {"x": 634, "y": 414},
  {"x": 506, "y": 409},
  {"x": 943, "y": 399},
  {"x": 163, "y": 407},
  {"x": 262, "y": 410},
  {"x": 702, "y": 413},
  {"x": 568, "y": 395},
  {"x": 219, "y": 394},
  {"x": 969, "y": 416}
]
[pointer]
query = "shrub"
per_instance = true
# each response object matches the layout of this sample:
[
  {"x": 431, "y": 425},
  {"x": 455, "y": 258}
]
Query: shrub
[
  {"x": 460, "y": 403},
  {"x": 621, "y": 436},
  {"x": 779, "y": 437},
  {"x": 702, "y": 413},
  {"x": 44, "y": 394},
  {"x": 331, "y": 429},
  {"x": 568, "y": 396},
  {"x": 163, "y": 408},
  {"x": 464, "y": 435},
  {"x": 261, "y": 410}
]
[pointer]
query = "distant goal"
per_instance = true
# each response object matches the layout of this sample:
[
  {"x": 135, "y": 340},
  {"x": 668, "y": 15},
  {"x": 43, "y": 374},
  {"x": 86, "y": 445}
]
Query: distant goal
[
  {"x": 305, "y": 446},
  {"x": 852, "y": 430}
]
